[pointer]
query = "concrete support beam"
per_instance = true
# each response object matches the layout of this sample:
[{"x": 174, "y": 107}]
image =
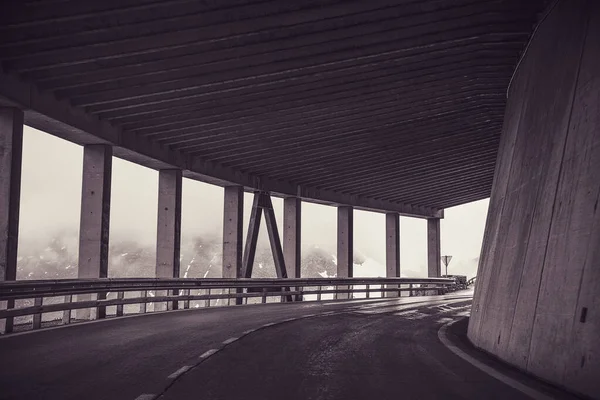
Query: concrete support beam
[
  {"x": 252, "y": 237},
  {"x": 345, "y": 245},
  {"x": 95, "y": 211},
  {"x": 434, "y": 254},
  {"x": 274, "y": 240},
  {"x": 292, "y": 212},
  {"x": 11, "y": 149},
  {"x": 233, "y": 218},
  {"x": 392, "y": 249},
  {"x": 168, "y": 232},
  {"x": 94, "y": 220},
  {"x": 60, "y": 118}
]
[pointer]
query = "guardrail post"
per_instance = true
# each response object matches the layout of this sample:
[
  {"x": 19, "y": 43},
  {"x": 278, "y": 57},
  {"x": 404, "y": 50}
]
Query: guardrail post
[
  {"x": 143, "y": 304},
  {"x": 11, "y": 150},
  {"x": 66, "y": 318},
  {"x": 207, "y": 304},
  {"x": 186, "y": 303},
  {"x": 264, "y": 295},
  {"x": 367, "y": 291},
  {"x": 319, "y": 293},
  {"x": 120, "y": 296},
  {"x": 37, "y": 317},
  {"x": 101, "y": 310}
]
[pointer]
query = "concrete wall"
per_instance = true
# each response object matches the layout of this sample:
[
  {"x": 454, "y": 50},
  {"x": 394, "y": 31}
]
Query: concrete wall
[{"x": 540, "y": 260}]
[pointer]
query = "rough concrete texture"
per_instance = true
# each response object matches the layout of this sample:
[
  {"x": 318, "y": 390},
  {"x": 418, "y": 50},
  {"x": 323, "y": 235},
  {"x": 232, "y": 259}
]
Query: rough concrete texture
[
  {"x": 168, "y": 233},
  {"x": 94, "y": 220},
  {"x": 345, "y": 248},
  {"x": 95, "y": 211},
  {"x": 434, "y": 252},
  {"x": 538, "y": 271},
  {"x": 233, "y": 218},
  {"x": 11, "y": 148},
  {"x": 392, "y": 250},
  {"x": 292, "y": 223}
]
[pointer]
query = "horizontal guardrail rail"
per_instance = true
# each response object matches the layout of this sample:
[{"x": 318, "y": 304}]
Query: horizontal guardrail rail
[{"x": 179, "y": 292}]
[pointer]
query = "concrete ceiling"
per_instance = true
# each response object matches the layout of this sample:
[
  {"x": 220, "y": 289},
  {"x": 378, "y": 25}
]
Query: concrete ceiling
[{"x": 385, "y": 105}]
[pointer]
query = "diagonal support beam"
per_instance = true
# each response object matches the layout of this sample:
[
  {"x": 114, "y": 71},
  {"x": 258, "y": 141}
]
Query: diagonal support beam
[
  {"x": 262, "y": 203},
  {"x": 252, "y": 237},
  {"x": 274, "y": 237}
]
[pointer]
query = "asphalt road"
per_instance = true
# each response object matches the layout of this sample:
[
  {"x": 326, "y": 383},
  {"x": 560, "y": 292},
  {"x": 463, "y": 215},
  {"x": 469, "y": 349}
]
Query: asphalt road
[{"x": 378, "y": 349}]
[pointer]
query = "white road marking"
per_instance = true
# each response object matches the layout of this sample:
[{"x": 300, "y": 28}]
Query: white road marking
[
  {"x": 288, "y": 320},
  {"x": 310, "y": 316},
  {"x": 208, "y": 353},
  {"x": 230, "y": 340},
  {"x": 248, "y": 331},
  {"x": 269, "y": 324},
  {"x": 180, "y": 371},
  {"x": 534, "y": 394},
  {"x": 146, "y": 397},
  {"x": 444, "y": 320}
]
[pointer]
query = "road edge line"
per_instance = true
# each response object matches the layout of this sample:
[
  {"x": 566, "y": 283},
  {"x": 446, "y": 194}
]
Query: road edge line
[{"x": 527, "y": 390}]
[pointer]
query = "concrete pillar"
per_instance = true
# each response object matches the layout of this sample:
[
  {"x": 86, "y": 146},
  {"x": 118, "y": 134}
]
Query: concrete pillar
[
  {"x": 95, "y": 212},
  {"x": 291, "y": 235},
  {"x": 94, "y": 220},
  {"x": 392, "y": 249},
  {"x": 345, "y": 245},
  {"x": 11, "y": 148},
  {"x": 168, "y": 232},
  {"x": 233, "y": 218},
  {"x": 434, "y": 254}
]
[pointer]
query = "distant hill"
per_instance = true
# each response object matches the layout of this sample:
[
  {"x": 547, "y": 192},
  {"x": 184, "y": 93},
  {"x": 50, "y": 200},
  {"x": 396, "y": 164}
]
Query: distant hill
[{"x": 200, "y": 258}]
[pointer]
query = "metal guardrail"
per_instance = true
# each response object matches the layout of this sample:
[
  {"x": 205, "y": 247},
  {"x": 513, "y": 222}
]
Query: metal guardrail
[
  {"x": 172, "y": 294},
  {"x": 471, "y": 281}
]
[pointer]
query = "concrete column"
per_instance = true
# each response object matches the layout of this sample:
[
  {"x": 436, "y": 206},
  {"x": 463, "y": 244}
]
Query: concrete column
[
  {"x": 168, "y": 233},
  {"x": 233, "y": 218},
  {"x": 292, "y": 207},
  {"x": 345, "y": 245},
  {"x": 392, "y": 249},
  {"x": 434, "y": 254},
  {"x": 11, "y": 148},
  {"x": 95, "y": 212},
  {"x": 94, "y": 220}
]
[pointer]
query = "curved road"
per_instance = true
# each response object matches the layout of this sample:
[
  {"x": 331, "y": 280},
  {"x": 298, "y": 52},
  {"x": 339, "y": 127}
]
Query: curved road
[{"x": 368, "y": 349}]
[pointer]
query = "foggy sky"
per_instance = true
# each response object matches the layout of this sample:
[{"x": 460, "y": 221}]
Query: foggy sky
[{"x": 51, "y": 193}]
